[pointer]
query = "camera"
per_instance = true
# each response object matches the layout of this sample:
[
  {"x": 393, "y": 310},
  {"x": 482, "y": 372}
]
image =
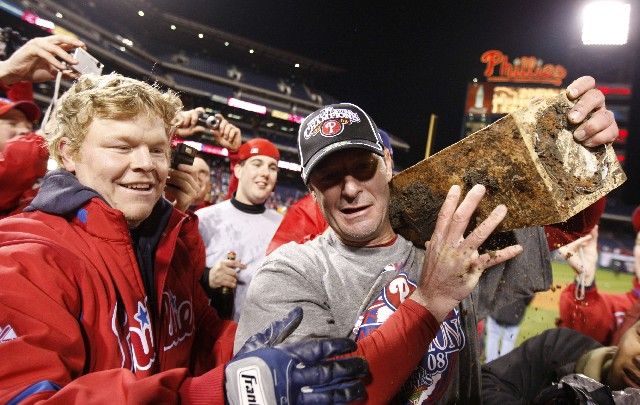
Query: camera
[
  {"x": 86, "y": 63},
  {"x": 208, "y": 120},
  {"x": 182, "y": 154}
]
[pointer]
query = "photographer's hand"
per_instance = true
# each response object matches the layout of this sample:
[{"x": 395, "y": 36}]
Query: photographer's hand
[
  {"x": 182, "y": 187},
  {"x": 40, "y": 59},
  {"x": 186, "y": 123},
  {"x": 227, "y": 134}
]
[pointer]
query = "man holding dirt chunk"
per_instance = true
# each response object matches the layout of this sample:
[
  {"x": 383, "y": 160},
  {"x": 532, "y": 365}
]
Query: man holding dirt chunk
[{"x": 412, "y": 312}]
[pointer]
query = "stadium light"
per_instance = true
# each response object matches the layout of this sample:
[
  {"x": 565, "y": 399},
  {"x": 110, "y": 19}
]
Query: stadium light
[
  {"x": 201, "y": 35},
  {"x": 226, "y": 43},
  {"x": 59, "y": 14},
  {"x": 605, "y": 23},
  {"x": 173, "y": 27},
  {"x": 245, "y": 105},
  {"x": 297, "y": 65},
  {"x": 141, "y": 13},
  {"x": 251, "y": 51}
]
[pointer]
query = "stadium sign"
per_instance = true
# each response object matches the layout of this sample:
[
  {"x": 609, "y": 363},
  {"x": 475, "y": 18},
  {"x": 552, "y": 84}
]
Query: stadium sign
[{"x": 525, "y": 69}]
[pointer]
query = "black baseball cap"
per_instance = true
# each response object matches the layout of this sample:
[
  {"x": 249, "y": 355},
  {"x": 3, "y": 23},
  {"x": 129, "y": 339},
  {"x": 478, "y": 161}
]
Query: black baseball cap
[{"x": 332, "y": 128}]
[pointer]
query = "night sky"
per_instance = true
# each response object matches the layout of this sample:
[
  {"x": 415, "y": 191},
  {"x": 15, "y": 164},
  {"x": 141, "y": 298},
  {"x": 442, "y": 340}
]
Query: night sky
[{"x": 406, "y": 60}]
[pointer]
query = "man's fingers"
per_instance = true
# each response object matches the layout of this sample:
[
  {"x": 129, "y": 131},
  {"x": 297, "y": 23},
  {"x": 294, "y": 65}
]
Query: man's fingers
[
  {"x": 606, "y": 135},
  {"x": 498, "y": 256},
  {"x": 65, "y": 41},
  {"x": 228, "y": 281},
  {"x": 486, "y": 227},
  {"x": 59, "y": 52},
  {"x": 183, "y": 182},
  {"x": 343, "y": 394},
  {"x": 601, "y": 120},
  {"x": 275, "y": 333},
  {"x": 50, "y": 59},
  {"x": 236, "y": 265},
  {"x": 580, "y": 86},
  {"x": 331, "y": 372},
  {"x": 446, "y": 212},
  {"x": 312, "y": 352},
  {"x": 592, "y": 100},
  {"x": 463, "y": 213},
  {"x": 281, "y": 329},
  {"x": 229, "y": 271}
]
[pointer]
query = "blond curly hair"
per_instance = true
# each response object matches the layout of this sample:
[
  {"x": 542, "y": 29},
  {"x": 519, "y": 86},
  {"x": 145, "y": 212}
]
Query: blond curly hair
[{"x": 111, "y": 96}]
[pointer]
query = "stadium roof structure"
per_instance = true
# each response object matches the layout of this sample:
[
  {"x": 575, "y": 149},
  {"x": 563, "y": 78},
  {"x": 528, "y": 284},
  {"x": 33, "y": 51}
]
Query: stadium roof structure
[{"x": 262, "y": 93}]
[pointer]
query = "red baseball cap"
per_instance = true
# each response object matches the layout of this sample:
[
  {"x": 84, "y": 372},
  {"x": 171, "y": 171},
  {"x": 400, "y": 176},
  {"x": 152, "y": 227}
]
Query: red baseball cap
[
  {"x": 30, "y": 109},
  {"x": 258, "y": 146}
]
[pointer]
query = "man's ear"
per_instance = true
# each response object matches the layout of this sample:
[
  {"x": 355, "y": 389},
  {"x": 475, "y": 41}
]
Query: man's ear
[
  {"x": 67, "y": 154},
  {"x": 237, "y": 170},
  {"x": 388, "y": 163}
]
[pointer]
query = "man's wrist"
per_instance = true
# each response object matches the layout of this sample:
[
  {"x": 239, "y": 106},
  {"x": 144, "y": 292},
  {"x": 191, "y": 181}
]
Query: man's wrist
[{"x": 439, "y": 307}]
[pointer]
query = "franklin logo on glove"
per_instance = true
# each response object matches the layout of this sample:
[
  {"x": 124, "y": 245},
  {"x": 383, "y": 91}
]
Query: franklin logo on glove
[{"x": 250, "y": 392}]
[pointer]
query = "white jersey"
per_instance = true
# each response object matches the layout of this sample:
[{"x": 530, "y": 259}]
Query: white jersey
[{"x": 225, "y": 228}]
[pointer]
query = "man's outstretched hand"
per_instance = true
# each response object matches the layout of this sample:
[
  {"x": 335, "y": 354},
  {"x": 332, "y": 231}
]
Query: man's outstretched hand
[
  {"x": 40, "y": 59},
  {"x": 453, "y": 265}
]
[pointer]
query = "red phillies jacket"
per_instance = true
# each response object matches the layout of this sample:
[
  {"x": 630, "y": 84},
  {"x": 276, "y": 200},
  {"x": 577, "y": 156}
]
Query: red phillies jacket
[
  {"x": 23, "y": 161},
  {"x": 75, "y": 322},
  {"x": 599, "y": 315},
  {"x": 302, "y": 222}
]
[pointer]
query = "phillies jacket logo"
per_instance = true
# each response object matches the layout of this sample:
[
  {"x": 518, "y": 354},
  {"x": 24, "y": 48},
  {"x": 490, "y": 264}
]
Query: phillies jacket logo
[
  {"x": 137, "y": 349},
  {"x": 180, "y": 316}
]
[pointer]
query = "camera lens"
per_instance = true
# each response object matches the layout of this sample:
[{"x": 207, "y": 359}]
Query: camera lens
[{"x": 210, "y": 121}]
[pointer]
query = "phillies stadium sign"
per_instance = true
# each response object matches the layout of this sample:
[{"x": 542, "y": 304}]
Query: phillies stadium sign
[{"x": 525, "y": 69}]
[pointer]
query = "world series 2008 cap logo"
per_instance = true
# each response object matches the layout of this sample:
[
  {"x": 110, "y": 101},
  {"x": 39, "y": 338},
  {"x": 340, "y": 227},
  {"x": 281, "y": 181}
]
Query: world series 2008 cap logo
[{"x": 330, "y": 122}]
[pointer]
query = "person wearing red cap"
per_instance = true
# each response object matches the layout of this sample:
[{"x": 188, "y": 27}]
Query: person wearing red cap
[
  {"x": 242, "y": 224},
  {"x": 23, "y": 154},
  {"x": 592, "y": 312}
]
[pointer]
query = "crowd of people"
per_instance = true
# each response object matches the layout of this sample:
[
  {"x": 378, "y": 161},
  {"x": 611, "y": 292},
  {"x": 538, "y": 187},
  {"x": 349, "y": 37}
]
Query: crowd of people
[{"x": 109, "y": 265}]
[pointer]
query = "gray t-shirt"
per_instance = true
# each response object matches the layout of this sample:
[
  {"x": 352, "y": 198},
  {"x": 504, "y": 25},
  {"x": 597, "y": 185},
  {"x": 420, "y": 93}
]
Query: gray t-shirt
[{"x": 348, "y": 292}]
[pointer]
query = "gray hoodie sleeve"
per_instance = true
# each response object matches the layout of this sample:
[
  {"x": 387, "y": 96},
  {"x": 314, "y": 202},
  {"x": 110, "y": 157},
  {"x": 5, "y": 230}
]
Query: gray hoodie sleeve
[{"x": 279, "y": 285}]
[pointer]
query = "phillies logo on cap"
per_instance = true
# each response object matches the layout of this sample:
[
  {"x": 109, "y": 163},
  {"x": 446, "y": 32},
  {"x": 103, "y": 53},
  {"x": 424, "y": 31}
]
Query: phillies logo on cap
[
  {"x": 329, "y": 122},
  {"x": 331, "y": 128}
]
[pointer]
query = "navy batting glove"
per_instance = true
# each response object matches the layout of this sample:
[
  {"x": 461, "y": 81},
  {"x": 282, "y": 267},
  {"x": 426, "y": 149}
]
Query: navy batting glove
[
  {"x": 265, "y": 371},
  {"x": 275, "y": 333}
]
